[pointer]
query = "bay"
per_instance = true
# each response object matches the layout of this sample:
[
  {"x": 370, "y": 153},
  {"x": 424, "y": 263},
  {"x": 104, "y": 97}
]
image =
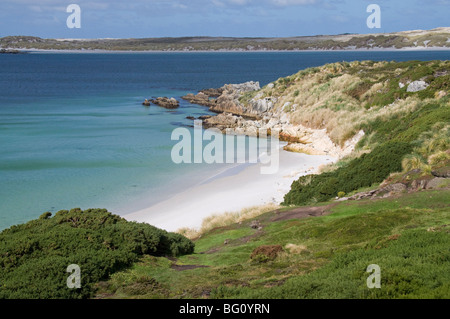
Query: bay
[{"x": 73, "y": 132}]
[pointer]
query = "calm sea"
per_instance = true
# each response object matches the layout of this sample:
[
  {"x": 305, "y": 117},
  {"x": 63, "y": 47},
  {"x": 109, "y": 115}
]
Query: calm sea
[{"x": 73, "y": 132}]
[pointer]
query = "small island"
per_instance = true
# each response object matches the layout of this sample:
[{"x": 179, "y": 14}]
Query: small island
[{"x": 11, "y": 51}]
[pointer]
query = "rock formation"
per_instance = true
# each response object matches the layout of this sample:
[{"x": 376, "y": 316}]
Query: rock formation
[
  {"x": 168, "y": 103},
  {"x": 408, "y": 183},
  {"x": 225, "y": 99},
  {"x": 259, "y": 115},
  {"x": 416, "y": 86}
]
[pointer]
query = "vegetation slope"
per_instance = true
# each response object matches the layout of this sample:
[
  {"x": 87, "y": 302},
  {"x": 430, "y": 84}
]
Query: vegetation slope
[
  {"x": 321, "y": 257},
  {"x": 404, "y": 128}
]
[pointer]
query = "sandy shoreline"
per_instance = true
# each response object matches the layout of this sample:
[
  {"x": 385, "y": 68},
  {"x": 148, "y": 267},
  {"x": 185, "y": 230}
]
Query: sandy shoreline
[{"x": 229, "y": 192}]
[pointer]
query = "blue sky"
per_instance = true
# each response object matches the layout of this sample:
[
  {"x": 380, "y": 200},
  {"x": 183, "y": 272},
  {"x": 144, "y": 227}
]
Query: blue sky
[{"x": 242, "y": 18}]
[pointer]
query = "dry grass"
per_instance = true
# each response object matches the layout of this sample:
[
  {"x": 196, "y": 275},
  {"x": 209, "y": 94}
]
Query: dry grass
[
  {"x": 439, "y": 157},
  {"x": 226, "y": 219},
  {"x": 295, "y": 249}
]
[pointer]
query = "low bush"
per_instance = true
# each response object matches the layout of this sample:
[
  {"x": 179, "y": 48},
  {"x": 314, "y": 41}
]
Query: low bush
[{"x": 34, "y": 256}]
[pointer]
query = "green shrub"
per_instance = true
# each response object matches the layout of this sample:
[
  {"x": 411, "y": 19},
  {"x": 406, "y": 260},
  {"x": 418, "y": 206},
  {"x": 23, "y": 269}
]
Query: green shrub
[
  {"x": 34, "y": 256},
  {"x": 364, "y": 171}
]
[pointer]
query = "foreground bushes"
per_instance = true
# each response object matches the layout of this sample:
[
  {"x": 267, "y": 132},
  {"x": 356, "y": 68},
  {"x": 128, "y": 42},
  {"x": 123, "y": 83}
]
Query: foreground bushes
[{"x": 34, "y": 256}]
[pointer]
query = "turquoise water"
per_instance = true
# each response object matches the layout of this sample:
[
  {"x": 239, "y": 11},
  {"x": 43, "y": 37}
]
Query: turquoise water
[{"x": 73, "y": 132}]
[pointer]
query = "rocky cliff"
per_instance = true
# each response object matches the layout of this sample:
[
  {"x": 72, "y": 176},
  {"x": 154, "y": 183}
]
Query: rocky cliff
[{"x": 259, "y": 115}]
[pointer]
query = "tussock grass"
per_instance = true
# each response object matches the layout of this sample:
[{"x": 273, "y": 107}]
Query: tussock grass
[
  {"x": 343, "y": 97},
  {"x": 432, "y": 149}
]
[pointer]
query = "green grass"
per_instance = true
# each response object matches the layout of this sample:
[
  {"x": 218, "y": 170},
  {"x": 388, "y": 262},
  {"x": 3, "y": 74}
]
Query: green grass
[{"x": 408, "y": 237}]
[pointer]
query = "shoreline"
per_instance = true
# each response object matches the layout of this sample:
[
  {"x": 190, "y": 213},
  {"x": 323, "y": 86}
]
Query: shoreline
[
  {"x": 32, "y": 50},
  {"x": 231, "y": 191}
]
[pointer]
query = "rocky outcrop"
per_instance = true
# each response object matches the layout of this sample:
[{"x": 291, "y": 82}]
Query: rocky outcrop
[
  {"x": 259, "y": 115},
  {"x": 411, "y": 181},
  {"x": 200, "y": 99},
  {"x": 228, "y": 101},
  {"x": 225, "y": 99},
  {"x": 441, "y": 172},
  {"x": 168, "y": 103},
  {"x": 382, "y": 192},
  {"x": 213, "y": 92}
]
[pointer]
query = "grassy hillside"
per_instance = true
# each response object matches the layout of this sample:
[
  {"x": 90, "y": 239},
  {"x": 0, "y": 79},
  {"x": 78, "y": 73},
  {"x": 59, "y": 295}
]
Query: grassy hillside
[
  {"x": 404, "y": 129},
  {"x": 321, "y": 257}
]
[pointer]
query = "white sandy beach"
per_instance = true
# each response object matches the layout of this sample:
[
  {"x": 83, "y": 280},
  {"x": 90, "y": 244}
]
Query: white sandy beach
[{"x": 231, "y": 192}]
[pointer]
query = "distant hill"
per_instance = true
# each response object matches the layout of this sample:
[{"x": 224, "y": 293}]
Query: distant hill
[{"x": 435, "y": 38}]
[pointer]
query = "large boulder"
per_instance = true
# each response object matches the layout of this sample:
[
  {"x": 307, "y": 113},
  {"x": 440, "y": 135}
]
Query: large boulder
[
  {"x": 416, "y": 86},
  {"x": 441, "y": 172},
  {"x": 438, "y": 182}
]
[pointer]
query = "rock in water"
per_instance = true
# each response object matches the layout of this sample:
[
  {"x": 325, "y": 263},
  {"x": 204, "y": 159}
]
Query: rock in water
[{"x": 166, "y": 102}]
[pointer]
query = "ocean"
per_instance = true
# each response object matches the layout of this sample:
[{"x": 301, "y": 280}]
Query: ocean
[{"x": 73, "y": 132}]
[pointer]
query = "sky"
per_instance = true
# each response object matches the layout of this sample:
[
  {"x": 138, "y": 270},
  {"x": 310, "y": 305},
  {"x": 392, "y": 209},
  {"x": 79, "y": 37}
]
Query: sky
[{"x": 235, "y": 18}]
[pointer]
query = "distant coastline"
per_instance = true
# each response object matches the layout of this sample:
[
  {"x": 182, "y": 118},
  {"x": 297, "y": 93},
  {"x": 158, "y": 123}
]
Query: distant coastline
[
  {"x": 33, "y": 50},
  {"x": 435, "y": 39}
]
